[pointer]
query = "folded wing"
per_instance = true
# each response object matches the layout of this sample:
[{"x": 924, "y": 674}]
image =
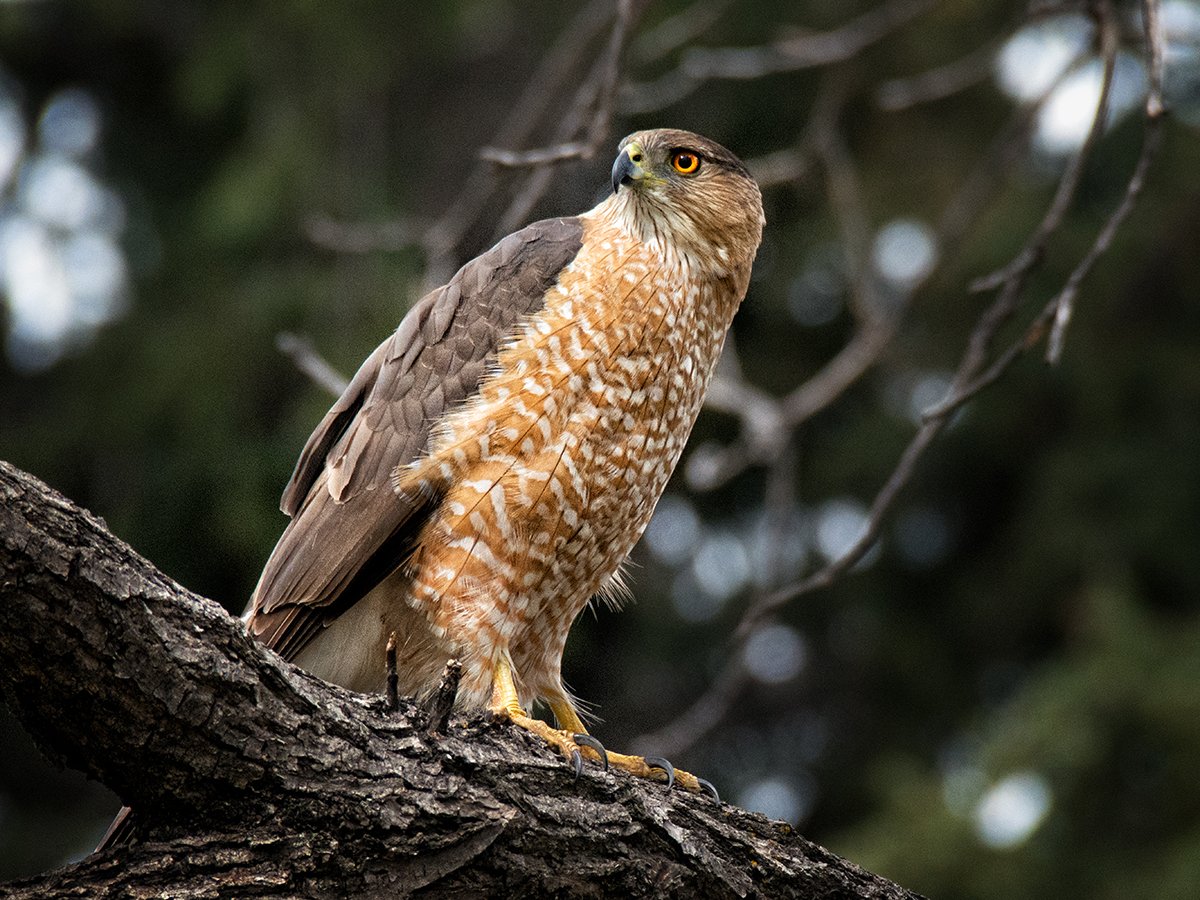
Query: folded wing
[{"x": 350, "y": 529}]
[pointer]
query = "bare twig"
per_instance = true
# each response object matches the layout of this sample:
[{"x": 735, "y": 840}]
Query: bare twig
[
  {"x": 301, "y": 351},
  {"x": 973, "y": 359},
  {"x": 805, "y": 50},
  {"x": 975, "y": 373},
  {"x": 364, "y": 237},
  {"x": 556, "y": 71},
  {"x": 781, "y": 167},
  {"x": 393, "y": 675},
  {"x": 712, "y": 708},
  {"x": 701, "y": 717},
  {"x": 1031, "y": 253},
  {"x": 514, "y": 159},
  {"x": 440, "y": 239},
  {"x": 1064, "y": 303},
  {"x": 678, "y": 30},
  {"x": 1156, "y": 47},
  {"x": 442, "y": 702},
  {"x": 937, "y": 84},
  {"x": 589, "y": 113},
  {"x": 767, "y": 422},
  {"x": 972, "y": 375},
  {"x": 1058, "y": 310},
  {"x": 1007, "y": 150}
]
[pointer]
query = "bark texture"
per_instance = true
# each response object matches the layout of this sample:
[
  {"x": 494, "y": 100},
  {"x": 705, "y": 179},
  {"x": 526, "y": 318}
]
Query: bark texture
[{"x": 251, "y": 778}]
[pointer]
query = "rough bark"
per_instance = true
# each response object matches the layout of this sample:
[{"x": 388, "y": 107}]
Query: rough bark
[{"x": 251, "y": 778}]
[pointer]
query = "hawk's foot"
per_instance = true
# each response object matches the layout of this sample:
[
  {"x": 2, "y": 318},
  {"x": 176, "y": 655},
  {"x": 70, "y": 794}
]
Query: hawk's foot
[
  {"x": 574, "y": 737},
  {"x": 658, "y": 769}
]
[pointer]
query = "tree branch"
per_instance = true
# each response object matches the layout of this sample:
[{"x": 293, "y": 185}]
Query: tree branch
[{"x": 252, "y": 778}]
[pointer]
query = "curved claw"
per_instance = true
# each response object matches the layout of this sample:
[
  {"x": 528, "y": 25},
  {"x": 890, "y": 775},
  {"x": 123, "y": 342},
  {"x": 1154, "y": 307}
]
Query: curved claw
[
  {"x": 657, "y": 762},
  {"x": 707, "y": 787},
  {"x": 586, "y": 740},
  {"x": 576, "y": 764}
]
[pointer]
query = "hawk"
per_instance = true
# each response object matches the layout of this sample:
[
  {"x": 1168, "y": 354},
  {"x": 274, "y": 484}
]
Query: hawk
[{"x": 494, "y": 461}]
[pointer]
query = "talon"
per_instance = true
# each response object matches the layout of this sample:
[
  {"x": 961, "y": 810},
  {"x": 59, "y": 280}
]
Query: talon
[
  {"x": 707, "y": 787},
  {"x": 577, "y": 764},
  {"x": 657, "y": 762},
  {"x": 586, "y": 740}
]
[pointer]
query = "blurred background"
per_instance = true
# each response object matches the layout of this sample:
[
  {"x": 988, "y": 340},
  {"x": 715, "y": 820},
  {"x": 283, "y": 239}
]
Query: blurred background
[{"x": 201, "y": 205}]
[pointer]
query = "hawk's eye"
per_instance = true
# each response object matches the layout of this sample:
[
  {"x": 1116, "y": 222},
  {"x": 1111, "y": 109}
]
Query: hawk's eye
[{"x": 685, "y": 162}]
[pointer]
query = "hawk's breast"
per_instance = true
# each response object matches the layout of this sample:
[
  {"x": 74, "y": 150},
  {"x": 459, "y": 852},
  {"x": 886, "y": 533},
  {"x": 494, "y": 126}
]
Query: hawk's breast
[{"x": 552, "y": 471}]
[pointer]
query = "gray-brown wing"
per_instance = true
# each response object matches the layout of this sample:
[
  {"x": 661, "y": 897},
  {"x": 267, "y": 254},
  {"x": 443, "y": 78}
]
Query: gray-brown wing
[{"x": 349, "y": 528}]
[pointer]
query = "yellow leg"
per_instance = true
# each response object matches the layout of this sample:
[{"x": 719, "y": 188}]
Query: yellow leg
[
  {"x": 505, "y": 702},
  {"x": 566, "y": 716},
  {"x": 504, "y": 690}
]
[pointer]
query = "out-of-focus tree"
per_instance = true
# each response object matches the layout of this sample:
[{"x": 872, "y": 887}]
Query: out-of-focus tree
[{"x": 992, "y": 699}]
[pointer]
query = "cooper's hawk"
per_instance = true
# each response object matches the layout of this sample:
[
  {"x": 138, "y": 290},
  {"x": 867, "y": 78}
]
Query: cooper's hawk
[{"x": 494, "y": 461}]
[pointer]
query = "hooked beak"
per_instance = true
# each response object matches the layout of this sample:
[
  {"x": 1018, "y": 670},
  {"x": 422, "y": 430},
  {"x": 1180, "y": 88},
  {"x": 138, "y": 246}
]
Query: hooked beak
[{"x": 627, "y": 168}]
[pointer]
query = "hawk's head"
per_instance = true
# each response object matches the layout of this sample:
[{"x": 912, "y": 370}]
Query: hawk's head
[{"x": 690, "y": 194}]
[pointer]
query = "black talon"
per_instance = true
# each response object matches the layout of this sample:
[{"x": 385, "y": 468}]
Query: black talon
[
  {"x": 657, "y": 762},
  {"x": 707, "y": 787},
  {"x": 586, "y": 740},
  {"x": 577, "y": 764}
]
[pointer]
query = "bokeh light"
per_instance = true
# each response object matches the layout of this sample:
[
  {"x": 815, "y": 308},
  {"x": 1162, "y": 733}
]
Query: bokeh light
[
  {"x": 1055, "y": 56},
  {"x": 777, "y": 798},
  {"x": 840, "y": 525},
  {"x": 904, "y": 253},
  {"x": 674, "y": 531},
  {"x": 775, "y": 654},
  {"x": 817, "y": 295},
  {"x": 1181, "y": 26},
  {"x": 62, "y": 269},
  {"x": 1012, "y": 809}
]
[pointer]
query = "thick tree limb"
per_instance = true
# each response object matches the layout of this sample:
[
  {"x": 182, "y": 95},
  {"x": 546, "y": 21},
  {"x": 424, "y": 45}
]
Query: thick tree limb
[{"x": 251, "y": 778}]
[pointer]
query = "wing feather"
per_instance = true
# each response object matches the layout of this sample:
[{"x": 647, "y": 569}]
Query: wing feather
[{"x": 349, "y": 528}]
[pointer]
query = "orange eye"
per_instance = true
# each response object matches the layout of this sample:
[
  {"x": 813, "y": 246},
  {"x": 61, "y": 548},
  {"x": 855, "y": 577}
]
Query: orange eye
[{"x": 685, "y": 162}]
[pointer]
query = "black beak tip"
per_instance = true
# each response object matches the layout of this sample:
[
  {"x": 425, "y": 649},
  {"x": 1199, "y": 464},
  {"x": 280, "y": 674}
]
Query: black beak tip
[{"x": 622, "y": 171}]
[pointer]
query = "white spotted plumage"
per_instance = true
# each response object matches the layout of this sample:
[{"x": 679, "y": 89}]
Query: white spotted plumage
[{"x": 556, "y": 465}]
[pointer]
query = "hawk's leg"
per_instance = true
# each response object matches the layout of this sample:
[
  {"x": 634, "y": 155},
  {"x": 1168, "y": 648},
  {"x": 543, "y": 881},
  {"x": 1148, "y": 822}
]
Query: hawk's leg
[{"x": 573, "y": 736}]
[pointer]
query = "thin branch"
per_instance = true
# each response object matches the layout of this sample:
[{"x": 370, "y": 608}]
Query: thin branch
[
  {"x": 518, "y": 159},
  {"x": 805, "y": 50},
  {"x": 973, "y": 373},
  {"x": 301, "y": 351},
  {"x": 714, "y": 706},
  {"x": 1156, "y": 47},
  {"x": 364, "y": 237},
  {"x": 558, "y": 69},
  {"x": 900, "y": 94},
  {"x": 1058, "y": 309},
  {"x": 973, "y": 358},
  {"x": 678, "y": 30},
  {"x": 701, "y": 717},
  {"x": 979, "y": 374},
  {"x": 1031, "y": 253},
  {"x": 440, "y": 238},
  {"x": 766, "y": 421},
  {"x": 1009, "y": 148},
  {"x": 589, "y": 113},
  {"x": 781, "y": 167},
  {"x": 1064, "y": 303}
]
